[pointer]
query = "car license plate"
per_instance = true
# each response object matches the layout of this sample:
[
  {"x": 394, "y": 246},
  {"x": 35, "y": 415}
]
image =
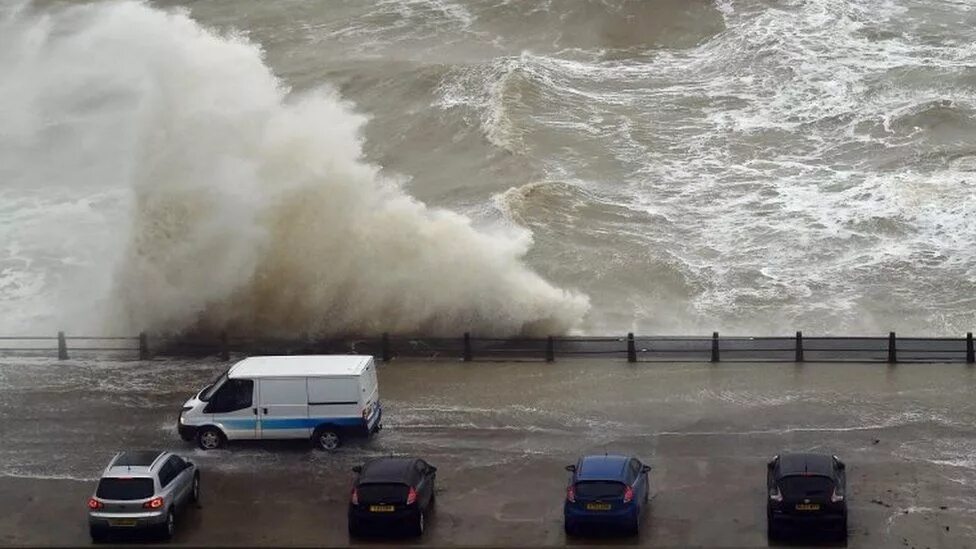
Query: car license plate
[
  {"x": 381, "y": 508},
  {"x": 807, "y": 506},
  {"x": 597, "y": 506},
  {"x": 127, "y": 523}
]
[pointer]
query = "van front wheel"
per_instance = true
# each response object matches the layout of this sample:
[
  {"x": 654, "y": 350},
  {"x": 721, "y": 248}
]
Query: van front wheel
[
  {"x": 210, "y": 438},
  {"x": 326, "y": 438}
]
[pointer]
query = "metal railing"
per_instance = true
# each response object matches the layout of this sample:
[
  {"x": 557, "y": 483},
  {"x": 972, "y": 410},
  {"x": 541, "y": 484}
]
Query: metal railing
[{"x": 798, "y": 348}]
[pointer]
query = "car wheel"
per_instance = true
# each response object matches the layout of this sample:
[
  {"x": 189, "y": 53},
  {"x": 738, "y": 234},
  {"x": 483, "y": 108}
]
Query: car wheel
[
  {"x": 195, "y": 489},
  {"x": 842, "y": 534},
  {"x": 98, "y": 535},
  {"x": 326, "y": 438},
  {"x": 169, "y": 527},
  {"x": 353, "y": 528},
  {"x": 420, "y": 526},
  {"x": 772, "y": 533},
  {"x": 634, "y": 529},
  {"x": 570, "y": 529},
  {"x": 210, "y": 438},
  {"x": 433, "y": 499}
]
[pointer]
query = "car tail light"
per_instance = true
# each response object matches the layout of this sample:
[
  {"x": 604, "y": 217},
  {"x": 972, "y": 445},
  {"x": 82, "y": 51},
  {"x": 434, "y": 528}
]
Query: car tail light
[
  {"x": 628, "y": 494},
  {"x": 775, "y": 495},
  {"x": 571, "y": 494},
  {"x": 835, "y": 497},
  {"x": 366, "y": 413},
  {"x": 354, "y": 497},
  {"x": 94, "y": 504},
  {"x": 412, "y": 496},
  {"x": 154, "y": 503}
]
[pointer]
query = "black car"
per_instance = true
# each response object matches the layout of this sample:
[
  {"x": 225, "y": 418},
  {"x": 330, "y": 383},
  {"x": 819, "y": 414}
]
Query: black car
[
  {"x": 806, "y": 492},
  {"x": 395, "y": 493}
]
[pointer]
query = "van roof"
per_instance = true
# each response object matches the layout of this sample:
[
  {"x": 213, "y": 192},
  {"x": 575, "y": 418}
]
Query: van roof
[{"x": 299, "y": 365}]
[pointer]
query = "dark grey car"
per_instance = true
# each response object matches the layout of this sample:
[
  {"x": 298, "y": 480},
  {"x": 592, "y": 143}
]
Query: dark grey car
[
  {"x": 142, "y": 490},
  {"x": 806, "y": 492}
]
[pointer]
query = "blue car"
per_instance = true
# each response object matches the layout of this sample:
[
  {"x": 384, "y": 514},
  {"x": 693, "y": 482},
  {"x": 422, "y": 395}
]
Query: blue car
[{"x": 608, "y": 491}]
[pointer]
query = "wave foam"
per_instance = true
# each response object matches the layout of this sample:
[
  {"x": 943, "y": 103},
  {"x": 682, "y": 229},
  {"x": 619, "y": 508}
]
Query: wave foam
[{"x": 251, "y": 209}]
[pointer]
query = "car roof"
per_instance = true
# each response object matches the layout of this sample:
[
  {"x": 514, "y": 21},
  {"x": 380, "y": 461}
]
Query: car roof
[
  {"x": 389, "y": 469},
  {"x": 603, "y": 467},
  {"x": 299, "y": 366},
  {"x": 135, "y": 462},
  {"x": 803, "y": 463}
]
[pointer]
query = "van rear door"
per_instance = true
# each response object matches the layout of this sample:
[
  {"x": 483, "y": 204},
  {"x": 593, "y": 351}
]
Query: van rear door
[
  {"x": 369, "y": 391},
  {"x": 283, "y": 409}
]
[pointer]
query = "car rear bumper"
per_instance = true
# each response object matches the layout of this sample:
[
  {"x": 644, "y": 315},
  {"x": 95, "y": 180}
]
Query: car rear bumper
[
  {"x": 126, "y": 521},
  {"x": 624, "y": 516},
  {"x": 830, "y": 521},
  {"x": 398, "y": 518}
]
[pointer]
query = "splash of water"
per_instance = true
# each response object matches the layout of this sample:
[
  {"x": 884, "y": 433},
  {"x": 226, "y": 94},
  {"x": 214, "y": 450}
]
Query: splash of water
[{"x": 235, "y": 204}]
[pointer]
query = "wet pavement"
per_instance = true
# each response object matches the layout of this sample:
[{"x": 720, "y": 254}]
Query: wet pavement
[{"x": 500, "y": 434}]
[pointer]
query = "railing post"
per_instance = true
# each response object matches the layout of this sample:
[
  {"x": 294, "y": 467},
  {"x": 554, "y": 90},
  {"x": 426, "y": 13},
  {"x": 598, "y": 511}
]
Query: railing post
[
  {"x": 970, "y": 353},
  {"x": 62, "y": 347},
  {"x": 224, "y": 347},
  {"x": 799, "y": 346},
  {"x": 385, "y": 347},
  {"x": 892, "y": 352},
  {"x": 715, "y": 356},
  {"x": 468, "y": 355},
  {"x": 551, "y": 349},
  {"x": 143, "y": 346},
  {"x": 631, "y": 348}
]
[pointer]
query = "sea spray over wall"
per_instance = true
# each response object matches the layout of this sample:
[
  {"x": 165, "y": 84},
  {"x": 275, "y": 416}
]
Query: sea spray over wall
[{"x": 251, "y": 209}]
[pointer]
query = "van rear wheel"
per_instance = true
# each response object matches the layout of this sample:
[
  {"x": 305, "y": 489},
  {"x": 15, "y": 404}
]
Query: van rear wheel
[
  {"x": 326, "y": 438},
  {"x": 210, "y": 438}
]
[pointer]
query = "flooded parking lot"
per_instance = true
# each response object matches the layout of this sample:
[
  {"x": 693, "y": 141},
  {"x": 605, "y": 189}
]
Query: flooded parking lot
[{"x": 500, "y": 433}]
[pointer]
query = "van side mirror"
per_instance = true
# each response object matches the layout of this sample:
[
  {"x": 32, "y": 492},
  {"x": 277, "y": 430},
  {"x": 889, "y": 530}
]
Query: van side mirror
[
  {"x": 431, "y": 469},
  {"x": 646, "y": 468},
  {"x": 357, "y": 469},
  {"x": 840, "y": 465},
  {"x": 571, "y": 468},
  {"x": 771, "y": 464}
]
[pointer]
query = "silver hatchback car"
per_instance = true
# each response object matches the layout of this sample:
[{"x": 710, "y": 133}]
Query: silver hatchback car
[{"x": 142, "y": 490}]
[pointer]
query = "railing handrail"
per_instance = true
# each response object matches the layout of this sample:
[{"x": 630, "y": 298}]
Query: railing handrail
[{"x": 468, "y": 347}]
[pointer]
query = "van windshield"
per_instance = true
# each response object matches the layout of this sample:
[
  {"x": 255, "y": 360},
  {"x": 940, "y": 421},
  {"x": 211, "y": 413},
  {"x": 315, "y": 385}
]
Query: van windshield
[{"x": 207, "y": 393}]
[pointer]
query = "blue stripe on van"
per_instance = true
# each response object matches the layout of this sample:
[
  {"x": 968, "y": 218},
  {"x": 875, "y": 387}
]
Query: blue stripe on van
[{"x": 292, "y": 423}]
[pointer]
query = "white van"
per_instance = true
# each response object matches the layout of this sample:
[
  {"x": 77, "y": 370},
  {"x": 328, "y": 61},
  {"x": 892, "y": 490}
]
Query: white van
[{"x": 322, "y": 398}]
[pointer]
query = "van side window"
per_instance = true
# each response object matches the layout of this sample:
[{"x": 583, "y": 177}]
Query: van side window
[{"x": 235, "y": 394}]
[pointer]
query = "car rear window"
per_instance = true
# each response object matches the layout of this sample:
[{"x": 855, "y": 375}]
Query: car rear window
[
  {"x": 599, "y": 490},
  {"x": 806, "y": 486},
  {"x": 385, "y": 493},
  {"x": 125, "y": 488}
]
